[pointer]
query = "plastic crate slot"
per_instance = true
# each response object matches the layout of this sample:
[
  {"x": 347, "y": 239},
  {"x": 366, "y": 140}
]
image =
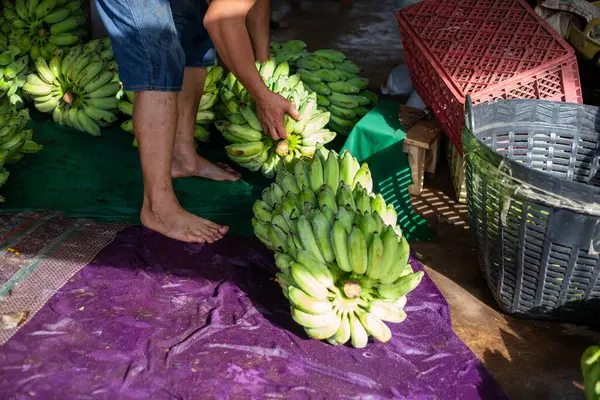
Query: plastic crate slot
[{"x": 531, "y": 248}]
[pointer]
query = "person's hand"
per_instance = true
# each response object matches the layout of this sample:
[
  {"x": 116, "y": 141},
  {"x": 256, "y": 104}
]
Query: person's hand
[{"x": 271, "y": 108}]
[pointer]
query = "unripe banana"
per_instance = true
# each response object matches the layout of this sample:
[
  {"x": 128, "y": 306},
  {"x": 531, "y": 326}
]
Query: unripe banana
[
  {"x": 331, "y": 172},
  {"x": 64, "y": 39},
  {"x": 244, "y": 149},
  {"x": 378, "y": 204},
  {"x": 390, "y": 249},
  {"x": 277, "y": 238},
  {"x": 306, "y": 111},
  {"x": 268, "y": 68},
  {"x": 317, "y": 122},
  {"x": 290, "y": 211},
  {"x": 364, "y": 178},
  {"x": 345, "y": 197},
  {"x": 346, "y": 218},
  {"x": 339, "y": 243},
  {"x": 390, "y": 217},
  {"x": 89, "y": 73},
  {"x": 283, "y": 262},
  {"x": 279, "y": 221},
  {"x": 357, "y": 250},
  {"x": 98, "y": 113},
  {"x": 287, "y": 182},
  {"x": 329, "y": 214},
  {"x": 367, "y": 226},
  {"x": 308, "y": 196},
  {"x": 125, "y": 107},
  {"x": 98, "y": 82},
  {"x": 322, "y": 231},
  {"x": 342, "y": 335},
  {"x": 375, "y": 259},
  {"x": 348, "y": 66},
  {"x": 250, "y": 116},
  {"x": 363, "y": 202},
  {"x": 262, "y": 211},
  {"x": 309, "y": 304},
  {"x": 108, "y": 90},
  {"x": 48, "y": 105},
  {"x": 358, "y": 335},
  {"x": 43, "y": 9},
  {"x": 57, "y": 15},
  {"x": 66, "y": 25},
  {"x": 308, "y": 239},
  {"x": 276, "y": 193},
  {"x": 316, "y": 174},
  {"x": 308, "y": 283},
  {"x": 387, "y": 311},
  {"x": 401, "y": 287},
  {"x": 312, "y": 321},
  {"x": 375, "y": 327},
  {"x": 87, "y": 123},
  {"x": 302, "y": 173},
  {"x": 261, "y": 232},
  {"x": 326, "y": 331}
]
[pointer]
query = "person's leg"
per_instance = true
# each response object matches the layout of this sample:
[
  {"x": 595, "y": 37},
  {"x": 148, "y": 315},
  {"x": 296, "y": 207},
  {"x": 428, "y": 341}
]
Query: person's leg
[
  {"x": 155, "y": 75},
  {"x": 259, "y": 28},
  {"x": 154, "y": 121},
  {"x": 199, "y": 54},
  {"x": 186, "y": 162}
]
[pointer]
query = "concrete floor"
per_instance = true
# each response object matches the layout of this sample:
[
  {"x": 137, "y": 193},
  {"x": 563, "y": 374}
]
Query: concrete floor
[{"x": 531, "y": 360}]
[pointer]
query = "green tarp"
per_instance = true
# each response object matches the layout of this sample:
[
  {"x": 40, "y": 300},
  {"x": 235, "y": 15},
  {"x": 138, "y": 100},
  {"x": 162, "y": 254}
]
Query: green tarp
[
  {"x": 377, "y": 140},
  {"x": 100, "y": 178}
]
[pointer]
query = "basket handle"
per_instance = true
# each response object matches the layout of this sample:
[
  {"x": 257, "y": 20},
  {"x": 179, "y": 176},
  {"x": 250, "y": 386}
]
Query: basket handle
[
  {"x": 594, "y": 167},
  {"x": 469, "y": 118}
]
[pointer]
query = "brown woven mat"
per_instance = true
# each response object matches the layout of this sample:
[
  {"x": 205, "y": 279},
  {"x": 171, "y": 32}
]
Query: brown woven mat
[{"x": 39, "y": 253}]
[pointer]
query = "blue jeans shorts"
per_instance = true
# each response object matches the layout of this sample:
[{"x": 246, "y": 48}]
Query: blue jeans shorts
[{"x": 154, "y": 40}]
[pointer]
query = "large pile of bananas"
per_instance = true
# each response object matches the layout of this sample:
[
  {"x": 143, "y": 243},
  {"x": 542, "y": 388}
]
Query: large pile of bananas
[
  {"x": 14, "y": 68},
  {"x": 335, "y": 80},
  {"x": 343, "y": 259},
  {"x": 40, "y": 27},
  {"x": 15, "y": 140},
  {"x": 251, "y": 147},
  {"x": 590, "y": 368},
  {"x": 79, "y": 88},
  {"x": 205, "y": 115}
]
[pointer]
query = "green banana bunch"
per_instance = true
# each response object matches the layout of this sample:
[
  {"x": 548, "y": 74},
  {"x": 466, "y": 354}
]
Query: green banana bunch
[
  {"x": 590, "y": 368},
  {"x": 42, "y": 26},
  {"x": 344, "y": 264},
  {"x": 240, "y": 125},
  {"x": 327, "y": 72},
  {"x": 14, "y": 66},
  {"x": 77, "y": 86},
  {"x": 15, "y": 140},
  {"x": 204, "y": 116}
]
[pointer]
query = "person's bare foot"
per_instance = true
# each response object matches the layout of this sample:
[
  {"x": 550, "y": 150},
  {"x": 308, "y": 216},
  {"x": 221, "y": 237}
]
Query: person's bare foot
[
  {"x": 171, "y": 220},
  {"x": 194, "y": 165}
]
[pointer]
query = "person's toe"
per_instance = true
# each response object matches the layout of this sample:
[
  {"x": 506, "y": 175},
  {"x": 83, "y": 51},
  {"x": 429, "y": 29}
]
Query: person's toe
[{"x": 229, "y": 169}]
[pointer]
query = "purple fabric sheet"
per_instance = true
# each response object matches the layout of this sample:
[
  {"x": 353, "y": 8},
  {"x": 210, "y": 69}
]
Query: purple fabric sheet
[{"x": 152, "y": 318}]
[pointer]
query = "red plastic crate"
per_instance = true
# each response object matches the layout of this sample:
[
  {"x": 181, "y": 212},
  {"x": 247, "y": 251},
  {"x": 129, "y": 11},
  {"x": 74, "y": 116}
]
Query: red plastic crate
[{"x": 488, "y": 49}]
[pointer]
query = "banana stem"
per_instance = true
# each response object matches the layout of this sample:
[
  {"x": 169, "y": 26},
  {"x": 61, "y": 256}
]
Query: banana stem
[
  {"x": 283, "y": 148},
  {"x": 352, "y": 289},
  {"x": 42, "y": 32},
  {"x": 68, "y": 98}
]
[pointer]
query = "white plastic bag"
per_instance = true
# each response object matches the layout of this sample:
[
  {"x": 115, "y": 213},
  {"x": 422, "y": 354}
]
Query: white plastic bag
[
  {"x": 398, "y": 82},
  {"x": 415, "y": 101}
]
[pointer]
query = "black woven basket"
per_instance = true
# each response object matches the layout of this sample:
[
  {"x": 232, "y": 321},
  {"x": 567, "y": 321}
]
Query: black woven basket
[{"x": 533, "y": 190}]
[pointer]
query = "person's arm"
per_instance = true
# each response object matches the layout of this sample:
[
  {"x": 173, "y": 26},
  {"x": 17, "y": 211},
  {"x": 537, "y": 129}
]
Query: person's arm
[
  {"x": 259, "y": 28},
  {"x": 225, "y": 21}
]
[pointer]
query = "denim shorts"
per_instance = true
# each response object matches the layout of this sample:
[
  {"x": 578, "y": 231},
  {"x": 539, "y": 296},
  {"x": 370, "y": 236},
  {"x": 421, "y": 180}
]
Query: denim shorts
[{"x": 154, "y": 40}]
